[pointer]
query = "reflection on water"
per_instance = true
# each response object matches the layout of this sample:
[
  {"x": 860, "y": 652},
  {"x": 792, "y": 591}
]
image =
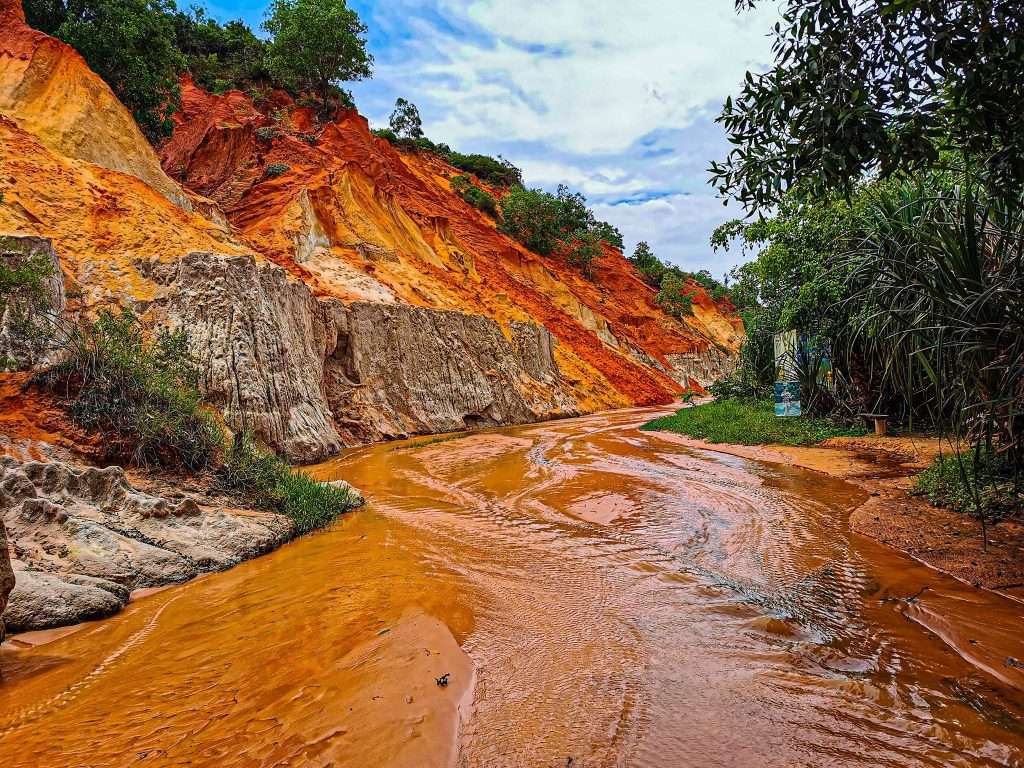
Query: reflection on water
[{"x": 598, "y": 596}]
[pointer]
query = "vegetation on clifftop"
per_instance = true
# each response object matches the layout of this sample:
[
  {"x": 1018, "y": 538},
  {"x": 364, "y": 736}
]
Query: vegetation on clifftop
[{"x": 141, "y": 48}]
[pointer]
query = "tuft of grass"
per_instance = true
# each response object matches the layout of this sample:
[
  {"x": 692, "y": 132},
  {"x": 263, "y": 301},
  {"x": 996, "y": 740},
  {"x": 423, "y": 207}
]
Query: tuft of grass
[
  {"x": 970, "y": 483},
  {"x": 264, "y": 480},
  {"x": 748, "y": 422}
]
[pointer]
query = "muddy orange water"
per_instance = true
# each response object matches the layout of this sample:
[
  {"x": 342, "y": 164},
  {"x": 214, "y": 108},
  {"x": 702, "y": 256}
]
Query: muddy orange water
[{"x": 598, "y": 597}]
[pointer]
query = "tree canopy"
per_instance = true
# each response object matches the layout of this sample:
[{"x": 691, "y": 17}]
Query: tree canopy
[
  {"x": 316, "y": 43},
  {"x": 405, "y": 120},
  {"x": 879, "y": 86}
]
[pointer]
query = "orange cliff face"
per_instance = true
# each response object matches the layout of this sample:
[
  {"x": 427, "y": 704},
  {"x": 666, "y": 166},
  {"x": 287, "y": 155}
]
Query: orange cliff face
[
  {"x": 48, "y": 90},
  {"x": 357, "y": 219},
  {"x": 334, "y": 289}
]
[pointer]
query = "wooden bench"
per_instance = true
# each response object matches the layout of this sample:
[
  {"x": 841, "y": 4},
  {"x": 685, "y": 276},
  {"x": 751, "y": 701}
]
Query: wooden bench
[{"x": 881, "y": 421}]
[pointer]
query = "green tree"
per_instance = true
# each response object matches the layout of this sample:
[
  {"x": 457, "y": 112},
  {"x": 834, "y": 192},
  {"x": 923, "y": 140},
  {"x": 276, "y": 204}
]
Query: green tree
[
  {"x": 533, "y": 217},
  {"x": 675, "y": 296},
  {"x": 130, "y": 44},
  {"x": 560, "y": 223},
  {"x": 219, "y": 56},
  {"x": 405, "y": 120},
  {"x": 647, "y": 263},
  {"x": 316, "y": 43},
  {"x": 878, "y": 86}
]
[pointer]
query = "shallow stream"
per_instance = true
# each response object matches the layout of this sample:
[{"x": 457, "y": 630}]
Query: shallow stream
[{"x": 598, "y": 596}]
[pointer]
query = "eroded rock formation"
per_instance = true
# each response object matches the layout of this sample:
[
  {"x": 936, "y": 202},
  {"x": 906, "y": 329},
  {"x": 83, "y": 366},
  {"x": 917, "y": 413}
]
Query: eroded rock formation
[
  {"x": 350, "y": 297},
  {"x": 310, "y": 375},
  {"x": 6, "y": 576},
  {"x": 83, "y": 537}
]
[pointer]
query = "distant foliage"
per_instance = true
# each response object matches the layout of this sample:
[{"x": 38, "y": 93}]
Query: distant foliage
[
  {"x": 649, "y": 265},
  {"x": 316, "y": 43},
  {"x": 472, "y": 194},
  {"x": 220, "y": 57},
  {"x": 129, "y": 43},
  {"x": 675, "y": 295},
  {"x": 405, "y": 121},
  {"x": 559, "y": 224},
  {"x": 496, "y": 172},
  {"x": 141, "y": 395}
]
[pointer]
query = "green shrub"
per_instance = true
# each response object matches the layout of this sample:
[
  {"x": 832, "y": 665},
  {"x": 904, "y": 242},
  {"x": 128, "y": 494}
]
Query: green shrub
[
  {"x": 24, "y": 302},
  {"x": 472, "y": 194},
  {"x": 748, "y": 422},
  {"x": 262, "y": 479},
  {"x": 649, "y": 265},
  {"x": 675, "y": 296},
  {"x": 970, "y": 483},
  {"x": 274, "y": 170},
  {"x": 556, "y": 224},
  {"x": 497, "y": 172},
  {"x": 220, "y": 57},
  {"x": 141, "y": 396},
  {"x": 267, "y": 133}
]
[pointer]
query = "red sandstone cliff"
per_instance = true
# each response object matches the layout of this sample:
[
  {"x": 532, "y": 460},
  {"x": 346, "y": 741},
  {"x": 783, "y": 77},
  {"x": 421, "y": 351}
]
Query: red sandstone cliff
[{"x": 276, "y": 277}]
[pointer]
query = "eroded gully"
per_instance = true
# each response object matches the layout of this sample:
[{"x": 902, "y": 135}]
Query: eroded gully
[{"x": 598, "y": 596}]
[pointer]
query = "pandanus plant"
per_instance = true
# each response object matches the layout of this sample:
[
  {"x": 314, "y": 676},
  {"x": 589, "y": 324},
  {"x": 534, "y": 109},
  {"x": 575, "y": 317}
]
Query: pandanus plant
[{"x": 938, "y": 285}]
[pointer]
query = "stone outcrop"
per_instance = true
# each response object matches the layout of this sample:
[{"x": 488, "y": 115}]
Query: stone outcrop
[
  {"x": 704, "y": 367},
  {"x": 84, "y": 537},
  {"x": 6, "y": 576},
  {"x": 261, "y": 340},
  {"x": 399, "y": 370},
  {"x": 309, "y": 375}
]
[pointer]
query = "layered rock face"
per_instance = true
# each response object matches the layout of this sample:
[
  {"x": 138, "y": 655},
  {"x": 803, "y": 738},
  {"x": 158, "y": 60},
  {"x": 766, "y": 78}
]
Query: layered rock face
[
  {"x": 49, "y": 91},
  {"x": 399, "y": 370},
  {"x": 6, "y": 577},
  {"x": 311, "y": 375},
  {"x": 84, "y": 537}
]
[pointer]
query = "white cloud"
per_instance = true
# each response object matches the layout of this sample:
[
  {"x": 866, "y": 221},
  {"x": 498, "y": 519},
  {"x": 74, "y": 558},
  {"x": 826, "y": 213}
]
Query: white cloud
[
  {"x": 615, "y": 99},
  {"x": 591, "y": 76},
  {"x": 677, "y": 228}
]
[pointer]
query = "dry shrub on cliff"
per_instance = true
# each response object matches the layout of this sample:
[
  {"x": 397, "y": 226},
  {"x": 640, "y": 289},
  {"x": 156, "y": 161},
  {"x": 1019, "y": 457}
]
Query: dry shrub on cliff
[{"x": 142, "y": 396}]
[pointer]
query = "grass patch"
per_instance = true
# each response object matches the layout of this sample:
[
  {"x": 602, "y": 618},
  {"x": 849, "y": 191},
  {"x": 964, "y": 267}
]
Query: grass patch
[
  {"x": 264, "y": 480},
  {"x": 748, "y": 422},
  {"x": 969, "y": 483}
]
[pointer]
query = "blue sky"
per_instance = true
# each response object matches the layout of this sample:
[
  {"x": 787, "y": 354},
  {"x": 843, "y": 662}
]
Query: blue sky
[{"x": 615, "y": 99}]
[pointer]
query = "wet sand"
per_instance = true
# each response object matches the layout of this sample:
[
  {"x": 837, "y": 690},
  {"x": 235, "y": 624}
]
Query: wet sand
[{"x": 599, "y": 596}]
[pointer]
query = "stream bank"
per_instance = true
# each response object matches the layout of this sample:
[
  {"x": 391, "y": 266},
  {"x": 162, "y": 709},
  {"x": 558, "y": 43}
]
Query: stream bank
[{"x": 884, "y": 467}]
